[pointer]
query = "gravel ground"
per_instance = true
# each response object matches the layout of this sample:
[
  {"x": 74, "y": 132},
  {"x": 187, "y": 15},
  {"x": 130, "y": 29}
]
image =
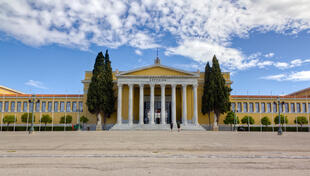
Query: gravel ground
[{"x": 154, "y": 153}]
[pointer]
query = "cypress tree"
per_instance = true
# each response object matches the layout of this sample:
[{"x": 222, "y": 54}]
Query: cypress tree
[
  {"x": 207, "y": 98},
  {"x": 95, "y": 97},
  {"x": 221, "y": 92},
  {"x": 108, "y": 93}
]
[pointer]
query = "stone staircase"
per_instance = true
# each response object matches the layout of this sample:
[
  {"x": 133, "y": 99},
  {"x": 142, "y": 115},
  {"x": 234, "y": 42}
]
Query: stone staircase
[{"x": 156, "y": 127}]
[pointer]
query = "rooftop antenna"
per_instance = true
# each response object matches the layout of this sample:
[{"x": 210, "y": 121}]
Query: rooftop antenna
[{"x": 157, "y": 60}]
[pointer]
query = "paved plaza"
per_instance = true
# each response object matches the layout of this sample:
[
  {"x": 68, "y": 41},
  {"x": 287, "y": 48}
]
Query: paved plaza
[{"x": 154, "y": 153}]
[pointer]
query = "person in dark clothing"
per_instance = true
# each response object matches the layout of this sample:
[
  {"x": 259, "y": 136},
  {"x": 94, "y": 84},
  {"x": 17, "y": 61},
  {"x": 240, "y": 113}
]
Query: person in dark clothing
[
  {"x": 179, "y": 126},
  {"x": 171, "y": 126}
]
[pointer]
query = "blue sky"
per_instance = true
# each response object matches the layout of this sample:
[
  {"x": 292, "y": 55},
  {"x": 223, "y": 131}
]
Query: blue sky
[{"x": 45, "y": 47}]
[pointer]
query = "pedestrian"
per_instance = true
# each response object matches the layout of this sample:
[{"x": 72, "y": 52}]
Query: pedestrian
[
  {"x": 171, "y": 126},
  {"x": 179, "y": 126}
]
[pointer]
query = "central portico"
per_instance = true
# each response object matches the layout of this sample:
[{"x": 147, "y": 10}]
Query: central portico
[{"x": 163, "y": 93}]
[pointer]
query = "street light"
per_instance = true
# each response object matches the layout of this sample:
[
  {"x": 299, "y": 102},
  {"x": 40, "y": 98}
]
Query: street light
[
  {"x": 33, "y": 101},
  {"x": 235, "y": 120},
  {"x": 279, "y": 104}
]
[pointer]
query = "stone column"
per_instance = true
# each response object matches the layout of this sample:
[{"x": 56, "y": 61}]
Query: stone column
[
  {"x": 184, "y": 103},
  {"x": 173, "y": 104},
  {"x": 195, "y": 117},
  {"x": 152, "y": 86},
  {"x": 119, "y": 104},
  {"x": 130, "y": 107},
  {"x": 163, "y": 104},
  {"x": 141, "y": 104}
]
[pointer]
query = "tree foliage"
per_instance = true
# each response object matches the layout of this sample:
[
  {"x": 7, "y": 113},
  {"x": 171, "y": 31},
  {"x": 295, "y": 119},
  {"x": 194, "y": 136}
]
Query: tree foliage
[
  {"x": 247, "y": 120},
  {"x": 265, "y": 121},
  {"x": 8, "y": 119},
  {"x": 231, "y": 118},
  {"x": 216, "y": 93},
  {"x": 66, "y": 119},
  {"x": 95, "y": 90},
  {"x": 282, "y": 119},
  {"x": 301, "y": 120},
  {"x": 27, "y": 117},
  {"x": 221, "y": 92},
  {"x": 100, "y": 96},
  {"x": 108, "y": 92},
  {"x": 83, "y": 120},
  {"x": 207, "y": 97}
]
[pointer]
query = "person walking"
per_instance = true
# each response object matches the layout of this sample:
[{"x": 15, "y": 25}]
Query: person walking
[
  {"x": 179, "y": 126},
  {"x": 171, "y": 126}
]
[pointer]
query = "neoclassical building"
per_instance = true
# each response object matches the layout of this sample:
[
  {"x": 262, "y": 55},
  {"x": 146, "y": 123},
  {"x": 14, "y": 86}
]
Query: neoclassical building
[{"x": 152, "y": 97}]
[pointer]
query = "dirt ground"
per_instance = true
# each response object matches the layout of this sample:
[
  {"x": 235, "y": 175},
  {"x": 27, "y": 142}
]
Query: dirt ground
[{"x": 154, "y": 153}]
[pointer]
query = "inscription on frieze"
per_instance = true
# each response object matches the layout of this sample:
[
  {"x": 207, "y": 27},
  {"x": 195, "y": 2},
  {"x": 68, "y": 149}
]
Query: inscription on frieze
[{"x": 155, "y": 80}]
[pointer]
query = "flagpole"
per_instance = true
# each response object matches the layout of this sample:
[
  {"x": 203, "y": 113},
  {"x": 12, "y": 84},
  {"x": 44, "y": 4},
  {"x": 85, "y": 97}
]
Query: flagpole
[
  {"x": 2, "y": 109},
  {"x": 53, "y": 108},
  {"x": 15, "y": 111}
]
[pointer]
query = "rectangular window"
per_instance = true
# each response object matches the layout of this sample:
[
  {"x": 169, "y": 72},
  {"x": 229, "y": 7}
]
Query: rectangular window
[
  {"x": 81, "y": 106},
  {"x": 1, "y": 106},
  {"x": 68, "y": 107},
  {"x": 304, "y": 107},
  {"x": 286, "y": 107},
  {"x": 292, "y": 107},
  {"x": 19, "y": 106},
  {"x": 30, "y": 107},
  {"x": 74, "y": 106},
  {"x": 12, "y": 106},
  {"x": 62, "y": 106},
  {"x": 275, "y": 109},
  {"x": 25, "y": 106},
  {"x": 56, "y": 106},
  {"x": 298, "y": 107},
  {"x": 37, "y": 106},
  {"x": 49, "y": 106},
  {"x": 268, "y": 107},
  {"x": 6, "y": 106},
  {"x": 245, "y": 107},
  {"x": 257, "y": 107},
  {"x": 281, "y": 107},
  {"x": 308, "y": 107},
  {"x": 251, "y": 107},
  {"x": 263, "y": 107},
  {"x": 43, "y": 108}
]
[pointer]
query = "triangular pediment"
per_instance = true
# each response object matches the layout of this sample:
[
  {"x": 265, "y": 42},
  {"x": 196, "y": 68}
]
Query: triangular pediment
[
  {"x": 157, "y": 70},
  {"x": 6, "y": 90}
]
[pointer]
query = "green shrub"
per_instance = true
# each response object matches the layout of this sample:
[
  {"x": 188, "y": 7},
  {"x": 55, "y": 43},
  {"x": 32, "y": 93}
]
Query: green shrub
[
  {"x": 66, "y": 119},
  {"x": 301, "y": 120},
  {"x": 247, "y": 120},
  {"x": 46, "y": 119},
  {"x": 9, "y": 119},
  {"x": 265, "y": 121},
  {"x": 28, "y": 116},
  {"x": 282, "y": 119}
]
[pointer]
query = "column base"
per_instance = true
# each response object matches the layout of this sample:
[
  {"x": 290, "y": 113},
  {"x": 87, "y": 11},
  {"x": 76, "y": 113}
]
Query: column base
[{"x": 98, "y": 127}]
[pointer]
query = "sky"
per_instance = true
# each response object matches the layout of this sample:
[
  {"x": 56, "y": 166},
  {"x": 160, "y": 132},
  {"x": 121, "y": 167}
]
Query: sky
[{"x": 46, "y": 46}]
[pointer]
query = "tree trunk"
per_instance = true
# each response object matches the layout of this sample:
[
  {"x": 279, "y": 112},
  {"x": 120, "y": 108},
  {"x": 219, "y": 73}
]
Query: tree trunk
[
  {"x": 104, "y": 121},
  {"x": 99, "y": 125},
  {"x": 45, "y": 126},
  {"x": 209, "y": 114},
  {"x": 215, "y": 126}
]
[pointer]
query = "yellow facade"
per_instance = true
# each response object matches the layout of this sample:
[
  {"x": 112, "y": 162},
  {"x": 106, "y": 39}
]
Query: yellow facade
[{"x": 155, "y": 71}]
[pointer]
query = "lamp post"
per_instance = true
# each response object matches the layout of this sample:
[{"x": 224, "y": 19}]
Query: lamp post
[
  {"x": 33, "y": 100},
  {"x": 280, "y": 128},
  {"x": 235, "y": 120},
  {"x": 78, "y": 109}
]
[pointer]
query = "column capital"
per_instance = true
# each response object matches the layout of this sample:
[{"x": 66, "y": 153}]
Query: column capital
[
  {"x": 141, "y": 85},
  {"x": 152, "y": 85},
  {"x": 184, "y": 85},
  {"x": 119, "y": 84},
  {"x": 130, "y": 84},
  {"x": 195, "y": 85},
  {"x": 162, "y": 85},
  {"x": 173, "y": 85}
]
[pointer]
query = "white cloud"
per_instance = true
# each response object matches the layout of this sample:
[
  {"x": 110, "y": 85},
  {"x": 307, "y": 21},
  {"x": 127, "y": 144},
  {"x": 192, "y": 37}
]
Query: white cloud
[
  {"x": 293, "y": 76},
  {"x": 269, "y": 55},
  {"x": 36, "y": 84},
  {"x": 138, "y": 52},
  {"x": 208, "y": 25}
]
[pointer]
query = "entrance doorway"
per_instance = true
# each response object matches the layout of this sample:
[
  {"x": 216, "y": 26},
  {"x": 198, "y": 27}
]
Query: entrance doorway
[{"x": 157, "y": 112}]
